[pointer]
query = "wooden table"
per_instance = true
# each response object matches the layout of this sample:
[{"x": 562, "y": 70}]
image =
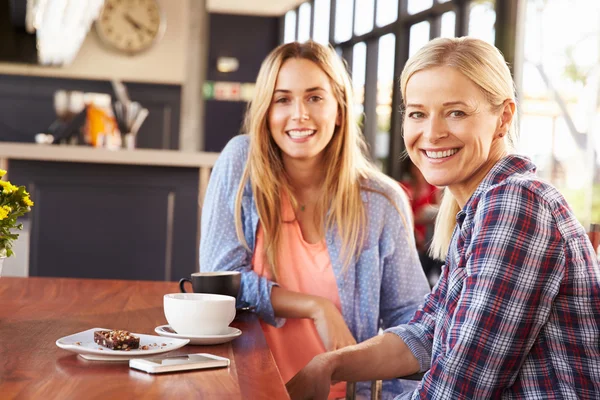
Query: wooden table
[{"x": 35, "y": 312}]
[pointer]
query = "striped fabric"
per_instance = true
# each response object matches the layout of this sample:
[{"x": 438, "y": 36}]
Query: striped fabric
[{"x": 516, "y": 312}]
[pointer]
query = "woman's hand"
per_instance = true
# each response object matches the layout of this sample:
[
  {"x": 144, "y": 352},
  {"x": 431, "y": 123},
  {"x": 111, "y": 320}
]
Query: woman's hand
[
  {"x": 381, "y": 357},
  {"x": 331, "y": 327},
  {"x": 328, "y": 320},
  {"x": 313, "y": 381}
]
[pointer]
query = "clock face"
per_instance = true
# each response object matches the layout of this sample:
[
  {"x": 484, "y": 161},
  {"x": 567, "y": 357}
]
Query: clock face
[{"x": 130, "y": 26}]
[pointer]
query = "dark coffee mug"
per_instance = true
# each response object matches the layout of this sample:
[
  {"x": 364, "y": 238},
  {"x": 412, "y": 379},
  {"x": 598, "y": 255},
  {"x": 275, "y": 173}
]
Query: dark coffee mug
[{"x": 218, "y": 282}]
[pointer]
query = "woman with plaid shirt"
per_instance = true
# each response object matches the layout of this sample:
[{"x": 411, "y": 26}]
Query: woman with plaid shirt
[{"x": 516, "y": 312}]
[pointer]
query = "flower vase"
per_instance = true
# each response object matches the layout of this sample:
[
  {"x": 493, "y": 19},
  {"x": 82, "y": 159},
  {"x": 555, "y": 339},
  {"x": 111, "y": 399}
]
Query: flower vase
[{"x": 1, "y": 264}]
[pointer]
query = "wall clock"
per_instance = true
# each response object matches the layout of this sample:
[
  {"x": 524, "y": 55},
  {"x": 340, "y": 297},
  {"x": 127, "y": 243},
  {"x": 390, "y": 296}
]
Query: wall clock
[{"x": 130, "y": 26}]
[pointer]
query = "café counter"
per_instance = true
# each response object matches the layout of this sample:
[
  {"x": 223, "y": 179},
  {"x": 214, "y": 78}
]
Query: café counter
[{"x": 127, "y": 214}]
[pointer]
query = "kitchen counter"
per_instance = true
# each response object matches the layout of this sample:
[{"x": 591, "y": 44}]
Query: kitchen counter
[
  {"x": 124, "y": 214},
  {"x": 65, "y": 153}
]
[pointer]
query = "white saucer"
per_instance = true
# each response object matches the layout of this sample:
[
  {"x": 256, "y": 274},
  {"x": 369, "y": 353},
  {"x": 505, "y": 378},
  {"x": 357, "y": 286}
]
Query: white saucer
[
  {"x": 229, "y": 335},
  {"x": 83, "y": 344}
]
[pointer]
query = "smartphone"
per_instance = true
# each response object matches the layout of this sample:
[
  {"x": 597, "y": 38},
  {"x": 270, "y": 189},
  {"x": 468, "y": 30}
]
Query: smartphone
[{"x": 178, "y": 363}]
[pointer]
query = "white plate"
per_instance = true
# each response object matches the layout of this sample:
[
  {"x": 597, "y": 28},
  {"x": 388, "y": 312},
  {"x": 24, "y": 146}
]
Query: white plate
[
  {"x": 229, "y": 335},
  {"x": 83, "y": 344}
]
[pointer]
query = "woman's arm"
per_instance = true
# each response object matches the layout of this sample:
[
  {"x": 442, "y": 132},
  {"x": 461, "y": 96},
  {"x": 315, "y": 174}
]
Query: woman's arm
[
  {"x": 382, "y": 357},
  {"x": 220, "y": 248},
  {"x": 327, "y": 318},
  {"x": 288, "y": 304}
]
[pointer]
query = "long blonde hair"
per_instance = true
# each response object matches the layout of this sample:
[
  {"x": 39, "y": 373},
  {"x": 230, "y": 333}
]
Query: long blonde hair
[
  {"x": 483, "y": 64},
  {"x": 345, "y": 162}
]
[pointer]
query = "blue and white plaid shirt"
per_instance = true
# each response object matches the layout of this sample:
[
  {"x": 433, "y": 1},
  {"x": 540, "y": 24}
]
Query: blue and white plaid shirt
[{"x": 516, "y": 312}]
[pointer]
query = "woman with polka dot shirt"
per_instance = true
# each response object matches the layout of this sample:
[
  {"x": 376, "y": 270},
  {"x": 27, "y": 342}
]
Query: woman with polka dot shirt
[{"x": 323, "y": 239}]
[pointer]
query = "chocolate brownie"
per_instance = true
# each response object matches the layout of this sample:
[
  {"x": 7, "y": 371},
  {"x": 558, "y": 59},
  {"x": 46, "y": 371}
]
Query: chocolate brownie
[{"x": 117, "y": 340}]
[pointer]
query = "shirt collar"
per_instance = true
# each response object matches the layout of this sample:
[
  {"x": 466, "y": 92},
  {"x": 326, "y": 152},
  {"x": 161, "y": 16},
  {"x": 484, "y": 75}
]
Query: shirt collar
[{"x": 507, "y": 166}]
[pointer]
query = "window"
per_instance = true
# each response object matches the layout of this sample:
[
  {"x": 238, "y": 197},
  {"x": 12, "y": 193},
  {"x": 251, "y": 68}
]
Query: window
[
  {"x": 363, "y": 20},
  {"x": 385, "y": 91},
  {"x": 343, "y": 20},
  {"x": 387, "y": 12},
  {"x": 359, "y": 63},
  {"x": 416, "y": 6},
  {"x": 321, "y": 22},
  {"x": 558, "y": 89},
  {"x": 304, "y": 22},
  {"x": 419, "y": 35},
  {"x": 448, "y": 24},
  {"x": 482, "y": 17},
  {"x": 290, "y": 27}
]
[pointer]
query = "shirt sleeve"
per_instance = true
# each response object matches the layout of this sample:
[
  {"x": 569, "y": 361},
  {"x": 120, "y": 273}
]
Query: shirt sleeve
[
  {"x": 220, "y": 248},
  {"x": 514, "y": 267},
  {"x": 403, "y": 284},
  {"x": 418, "y": 333}
]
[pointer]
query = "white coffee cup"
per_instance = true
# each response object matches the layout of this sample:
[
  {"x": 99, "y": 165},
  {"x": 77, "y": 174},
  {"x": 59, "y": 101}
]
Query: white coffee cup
[{"x": 199, "y": 314}]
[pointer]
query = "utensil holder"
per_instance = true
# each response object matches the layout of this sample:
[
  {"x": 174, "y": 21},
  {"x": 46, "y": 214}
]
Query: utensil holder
[{"x": 129, "y": 141}]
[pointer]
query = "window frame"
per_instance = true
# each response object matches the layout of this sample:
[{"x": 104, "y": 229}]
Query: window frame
[{"x": 505, "y": 40}]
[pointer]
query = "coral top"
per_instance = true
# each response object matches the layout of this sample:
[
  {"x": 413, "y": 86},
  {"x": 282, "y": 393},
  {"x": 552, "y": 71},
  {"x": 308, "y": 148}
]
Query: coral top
[{"x": 304, "y": 268}]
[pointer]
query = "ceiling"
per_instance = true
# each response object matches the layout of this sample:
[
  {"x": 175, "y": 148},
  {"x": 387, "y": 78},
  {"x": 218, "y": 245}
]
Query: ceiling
[{"x": 252, "y": 7}]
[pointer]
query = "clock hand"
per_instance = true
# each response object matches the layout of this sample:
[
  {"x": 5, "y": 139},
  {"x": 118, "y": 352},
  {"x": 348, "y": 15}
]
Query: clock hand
[{"x": 137, "y": 25}]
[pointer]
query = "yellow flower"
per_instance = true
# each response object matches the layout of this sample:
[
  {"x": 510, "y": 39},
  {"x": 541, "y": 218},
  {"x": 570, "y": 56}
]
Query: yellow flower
[
  {"x": 2, "y": 173},
  {"x": 27, "y": 201},
  {"x": 7, "y": 187},
  {"x": 3, "y": 213}
]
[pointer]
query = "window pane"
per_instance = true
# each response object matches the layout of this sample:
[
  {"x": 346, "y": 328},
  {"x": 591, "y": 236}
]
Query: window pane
[
  {"x": 359, "y": 64},
  {"x": 387, "y": 12},
  {"x": 363, "y": 20},
  {"x": 419, "y": 35},
  {"x": 321, "y": 23},
  {"x": 415, "y": 6},
  {"x": 482, "y": 17},
  {"x": 343, "y": 20},
  {"x": 385, "y": 85},
  {"x": 304, "y": 22},
  {"x": 290, "y": 27},
  {"x": 448, "y": 24}
]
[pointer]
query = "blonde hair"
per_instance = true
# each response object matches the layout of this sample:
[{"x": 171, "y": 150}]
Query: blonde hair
[
  {"x": 345, "y": 162},
  {"x": 485, "y": 66}
]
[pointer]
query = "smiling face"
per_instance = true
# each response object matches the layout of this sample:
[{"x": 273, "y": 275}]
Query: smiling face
[
  {"x": 451, "y": 132},
  {"x": 303, "y": 114}
]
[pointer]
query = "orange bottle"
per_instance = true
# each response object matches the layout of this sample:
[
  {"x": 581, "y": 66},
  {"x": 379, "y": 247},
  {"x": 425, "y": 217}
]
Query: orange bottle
[{"x": 98, "y": 123}]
